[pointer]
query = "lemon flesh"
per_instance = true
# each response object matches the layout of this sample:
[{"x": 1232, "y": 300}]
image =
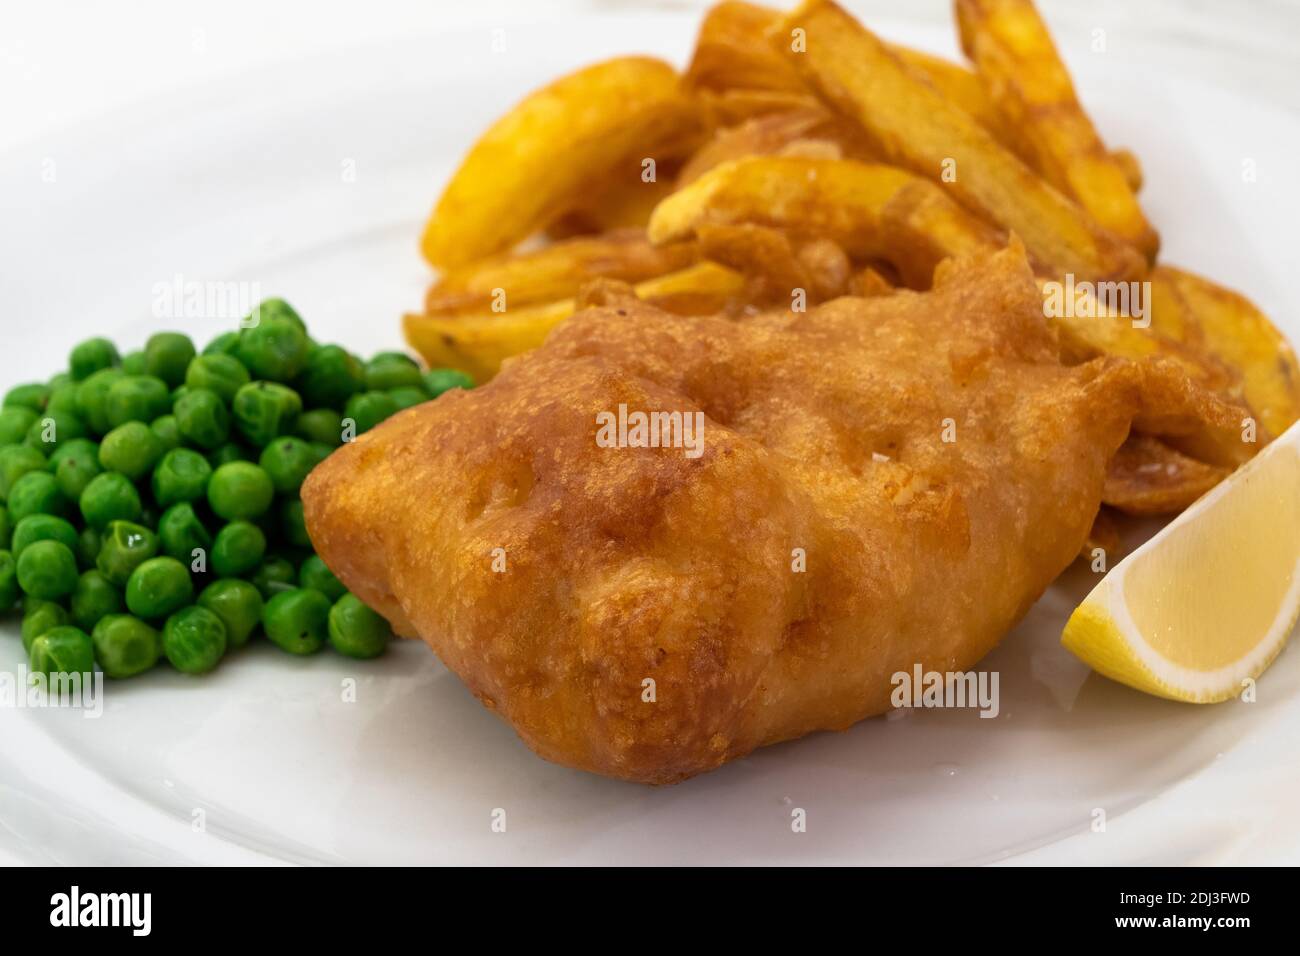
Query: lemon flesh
[{"x": 1209, "y": 601}]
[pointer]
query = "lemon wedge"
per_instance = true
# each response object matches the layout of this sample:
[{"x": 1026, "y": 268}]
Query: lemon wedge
[{"x": 1209, "y": 601}]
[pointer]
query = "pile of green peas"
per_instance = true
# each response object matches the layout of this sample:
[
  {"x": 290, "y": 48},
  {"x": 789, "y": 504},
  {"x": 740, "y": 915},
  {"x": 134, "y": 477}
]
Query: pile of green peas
[{"x": 150, "y": 500}]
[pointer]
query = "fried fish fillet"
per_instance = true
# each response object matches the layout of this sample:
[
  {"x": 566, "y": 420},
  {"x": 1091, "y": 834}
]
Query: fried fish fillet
[{"x": 881, "y": 483}]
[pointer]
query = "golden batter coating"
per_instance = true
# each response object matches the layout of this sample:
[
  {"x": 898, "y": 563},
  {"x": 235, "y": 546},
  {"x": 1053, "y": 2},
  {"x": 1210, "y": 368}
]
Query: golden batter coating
[{"x": 882, "y": 482}]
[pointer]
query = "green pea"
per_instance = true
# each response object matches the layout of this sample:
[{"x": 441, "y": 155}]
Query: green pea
[
  {"x": 321, "y": 426},
  {"x": 88, "y": 542},
  {"x": 221, "y": 374},
  {"x": 273, "y": 575},
  {"x": 158, "y": 587},
  {"x": 181, "y": 533},
  {"x": 62, "y": 650},
  {"x": 167, "y": 355},
  {"x": 269, "y": 310},
  {"x": 293, "y": 524},
  {"x": 202, "y": 418},
  {"x": 315, "y": 574},
  {"x": 94, "y": 598},
  {"x": 405, "y": 398},
  {"x": 224, "y": 344},
  {"x": 355, "y": 630},
  {"x": 238, "y": 604},
  {"x": 53, "y": 429},
  {"x": 237, "y": 549},
  {"x": 265, "y": 410},
  {"x": 287, "y": 461},
  {"x": 75, "y": 466},
  {"x": 123, "y": 548},
  {"x": 9, "y": 589},
  {"x": 43, "y": 527},
  {"x": 369, "y": 409},
  {"x": 275, "y": 349},
  {"x": 91, "y": 356},
  {"x": 72, "y": 448},
  {"x": 125, "y": 645},
  {"x": 15, "y": 420},
  {"x": 59, "y": 381},
  {"x": 439, "y": 380},
  {"x": 230, "y": 451},
  {"x": 297, "y": 621},
  {"x": 136, "y": 398},
  {"x": 194, "y": 639},
  {"x": 47, "y": 570},
  {"x": 36, "y": 493},
  {"x": 33, "y": 395},
  {"x": 40, "y": 617},
  {"x": 16, "y": 461},
  {"x": 6, "y": 527},
  {"x": 332, "y": 376},
  {"x": 92, "y": 399},
  {"x": 391, "y": 370},
  {"x": 182, "y": 475},
  {"x": 240, "y": 490},
  {"x": 63, "y": 399},
  {"x": 110, "y": 497},
  {"x": 131, "y": 448},
  {"x": 165, "y": 430},
  {"x": 133, "y": 363}
]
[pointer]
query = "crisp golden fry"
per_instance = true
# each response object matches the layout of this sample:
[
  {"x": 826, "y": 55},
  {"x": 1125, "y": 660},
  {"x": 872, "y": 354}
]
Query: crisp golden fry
[
  {"x": 537, "y": 160},
  {"x": 1015, "y": 56},
  {"x": 554, "y": 272},
  {"x": 962, "y": 88},
  {"x": 732, "y": 52},
  {"x": 478, "y": 344},
  {"x": 1091, "y": 328},
  {"x": 811, "y": 133},
  {"x": 1127, "y": 161},
  {"x": 1105, "y": 535},
  {"x": 1148, "y": 477},
  {"x": 622, "y": 203},
  {"x": 871, "y": 211},
  {"x": 1228, "y": 326},
  {"x": 915, "y": 126}
]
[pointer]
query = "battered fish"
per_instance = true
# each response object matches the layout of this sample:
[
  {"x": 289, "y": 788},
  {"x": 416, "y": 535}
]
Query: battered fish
[{"x": 881, "y": 483}]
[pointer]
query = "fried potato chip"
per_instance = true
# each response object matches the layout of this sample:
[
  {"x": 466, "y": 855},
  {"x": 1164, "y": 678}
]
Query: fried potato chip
[
  {"x": 1148, "y": 477},
  {"x": 1088, "y": 327},
  {"x": 538, "y": 159},
  {"x": 477, "y": 344},
  {"x": 730, "y": 107},
  {"x": 1104, "y": 534},
  {"x": 869, "y": 210},
  {"x": 1127, "y": 161},
  {"x": 731, "y": 52},
  {"x": 1014, "y": 54},
  {"x": 915, "y": 126},
  {"x": 813, "y": 132},
  {"x": 622, "y": 202},
  {"x": 1228, "y": 326},
  {"x": 554, "y": 272}
]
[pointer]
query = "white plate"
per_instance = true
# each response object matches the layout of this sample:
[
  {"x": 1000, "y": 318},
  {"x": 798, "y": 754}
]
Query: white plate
[{"x": 243, "y": 181}]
